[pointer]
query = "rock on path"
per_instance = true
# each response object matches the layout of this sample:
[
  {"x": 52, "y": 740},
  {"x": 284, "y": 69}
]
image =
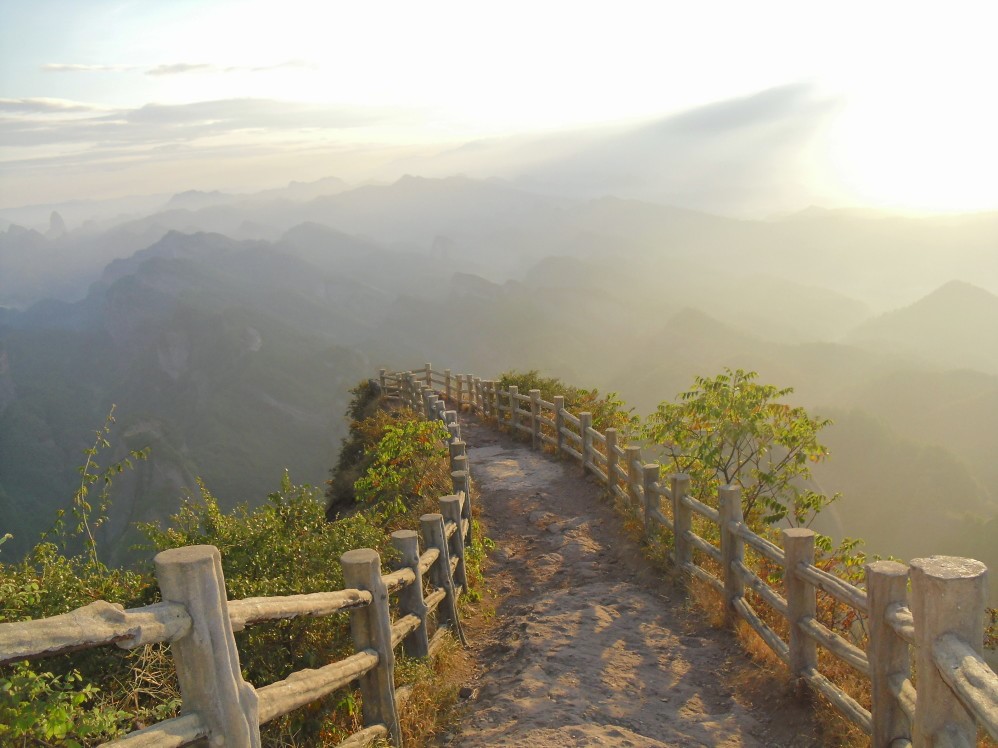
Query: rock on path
[{"x": 590, "y": 646}]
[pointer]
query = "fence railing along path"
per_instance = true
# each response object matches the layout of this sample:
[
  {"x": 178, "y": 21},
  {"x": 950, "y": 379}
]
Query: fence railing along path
[
  {"x": 198, "y": 621},
  {"x": 935, "y": 629}
]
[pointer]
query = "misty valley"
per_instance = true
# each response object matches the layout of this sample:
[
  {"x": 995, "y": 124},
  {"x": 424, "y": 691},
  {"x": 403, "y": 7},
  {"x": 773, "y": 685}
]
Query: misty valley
[{"x": 227, "y": 330}]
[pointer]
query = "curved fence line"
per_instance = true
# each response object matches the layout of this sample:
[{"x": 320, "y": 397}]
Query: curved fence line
[{"x": 939, "y": 625}]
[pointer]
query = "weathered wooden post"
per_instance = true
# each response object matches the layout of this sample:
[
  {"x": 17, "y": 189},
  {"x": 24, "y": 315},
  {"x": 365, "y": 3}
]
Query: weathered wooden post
[
  {"x": 207, "y": 662},
  {"x": 434, "y": 536},
  {"x": 682, "y": 520},
  {"x": 886, "y": 586},
  {"x": 559, "y": 423},
  {"x": 453, "y": 426},
  {"x": 732, "y": 546},
  {"x": 948, "y": 597},
  {"x": 798, "y": 548},
  {"x": 514, "y": 407},
  {"x": 428, "y": 374},
  {"x": 633, "y": 457},
  {"x": 535, "y": 418},
  {"x": 649, "y": 476},
  {"x": 586, "y": 423},
  {"x": 461, "y": 482},
  {"x": 450, "y": 508},
  {"x": 447, "y": 392},
  {"x": 406, "y": 542},
  {"x": 611, "y": 460},
  {"x": 371, "y": 628},
  {"x": 456, "y": 449}
]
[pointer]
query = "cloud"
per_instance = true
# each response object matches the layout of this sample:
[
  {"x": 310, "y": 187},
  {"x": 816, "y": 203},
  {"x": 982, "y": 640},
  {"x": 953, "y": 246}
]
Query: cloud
[
  {"x": 61, "y": 67},
  {"x": 290, "y": 64},
  {"x": 159, "y": 124},
  {"x": 181, "y": 67},
  {"x": 44, "y": 106},
  {"x": 176, "y": 68}
]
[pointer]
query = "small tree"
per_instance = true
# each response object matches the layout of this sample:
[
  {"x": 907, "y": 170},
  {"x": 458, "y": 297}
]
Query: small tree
[{"x": 732, "y": 429}]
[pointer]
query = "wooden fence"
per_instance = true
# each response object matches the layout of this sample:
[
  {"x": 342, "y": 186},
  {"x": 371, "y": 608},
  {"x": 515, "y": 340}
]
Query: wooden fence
[
  {"x": 935, "y": 630},
  {"x": 198, "y": 621}
]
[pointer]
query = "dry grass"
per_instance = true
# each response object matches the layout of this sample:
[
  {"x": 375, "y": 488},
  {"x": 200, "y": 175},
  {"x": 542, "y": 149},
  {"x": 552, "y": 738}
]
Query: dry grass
[
  {"x": 432, "y": 706},
  {"x": 707, "y": 601}
]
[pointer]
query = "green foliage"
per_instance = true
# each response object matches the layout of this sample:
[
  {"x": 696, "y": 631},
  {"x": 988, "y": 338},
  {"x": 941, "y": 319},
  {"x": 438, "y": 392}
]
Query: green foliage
[
  {"x": 88, "y": 516},
  {"x": 608, "y": 410},
  {"x": 286, "y": 546},
  {"x": 352, "y": 460},
  {"x": 732, "y": 429},
  {"x": 405, "y": 464},
  {"x": 48, "y": 709},
  {"x": 51, "y": 707}
]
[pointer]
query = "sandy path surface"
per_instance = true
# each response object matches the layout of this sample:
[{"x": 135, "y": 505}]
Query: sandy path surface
[{"x": 590, "y": 646}]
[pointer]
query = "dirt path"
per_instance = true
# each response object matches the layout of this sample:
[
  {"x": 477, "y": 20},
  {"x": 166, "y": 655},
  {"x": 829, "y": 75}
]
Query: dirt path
[{"x": 590, "y": 646}]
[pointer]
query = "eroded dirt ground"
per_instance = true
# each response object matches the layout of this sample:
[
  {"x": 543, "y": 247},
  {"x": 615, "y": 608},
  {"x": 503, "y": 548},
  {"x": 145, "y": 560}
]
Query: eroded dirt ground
[{"x": 589, "y": 645}]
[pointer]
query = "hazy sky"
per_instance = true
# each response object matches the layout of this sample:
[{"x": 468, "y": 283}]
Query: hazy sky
[{"x": 101, "y": 97}]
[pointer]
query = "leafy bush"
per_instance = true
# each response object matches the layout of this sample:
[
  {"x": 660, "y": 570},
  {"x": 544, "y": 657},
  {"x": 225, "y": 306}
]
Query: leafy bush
[
  {"x": 732, "y": 429},
  {"x": 286, "y": 546},
  {"x": 407, "y": 466}
]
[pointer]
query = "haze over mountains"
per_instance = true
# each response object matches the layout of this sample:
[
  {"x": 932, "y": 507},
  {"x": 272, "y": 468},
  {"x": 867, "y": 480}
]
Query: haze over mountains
[{"x": 227, "y": 329}]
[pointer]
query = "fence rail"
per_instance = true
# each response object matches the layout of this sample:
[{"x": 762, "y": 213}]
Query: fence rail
[
  {"x": 198, "y": 621},
  {"x": 956, "y": 690}
]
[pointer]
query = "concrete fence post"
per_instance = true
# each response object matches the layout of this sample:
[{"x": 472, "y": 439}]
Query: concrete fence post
[
  {"x": 450, "y": 508},
  {"x": 948, "y": 596},
  {"x": 586, "y": 423},
  {"x": 441, "y": 411},
  {"x": 411, "y": 601},
  {"x": 453, "y": 426},
  {"x": 798, "y": 548},
  {"x": 886, "y": 585},
  {"x": 431, "y": 405},
  {"x": 456, "y": 449},
  {"x": 611, "y": 460},
  {"x": 487, "y": 410},
  {"x": 432, "y": 528},
  {"x": 371, "y": 628},
  {"x": 535, "y": 418},
  {"x": 447, "y": 390},
  {"x": 632, "y": 454},
  {"x": 514, "y": 408},
  {"x": 461, "y": 482},
  {"x": 732, "y": 546},
  {"x": 494, "y": 400},
  {"x": 428, "y": 374},
  {"x": 649, "y": 476},
  {"x": 459, "y": 395},
  {"x": 559, "y": 423},
  {"x": 207, "y": 663},
  {"x": 382, "y": 380},
  {"x": 477, "y": 387},
  {"x": 469, "y": 385},
  {"x": 682, "y": 520}
]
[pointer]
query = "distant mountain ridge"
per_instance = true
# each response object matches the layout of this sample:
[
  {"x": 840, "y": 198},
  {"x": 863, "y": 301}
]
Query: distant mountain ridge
[{"x": 952, "y": 327}]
